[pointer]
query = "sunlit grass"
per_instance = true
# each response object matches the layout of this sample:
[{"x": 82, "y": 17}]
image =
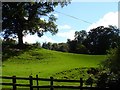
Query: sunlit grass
[{"x": 46, "y": 63}]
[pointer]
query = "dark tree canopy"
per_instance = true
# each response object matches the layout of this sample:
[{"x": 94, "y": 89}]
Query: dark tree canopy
[
  {"x": 63, "y": 47},
  {"x": 101, "y": 39},
  {"x": 97, "y": 41},
  {"x": 80, "y": 36},
  {"x": 76, "y": 45},
  {"x": 22, "y": 18},
  {"x": 113, "y": 61}
]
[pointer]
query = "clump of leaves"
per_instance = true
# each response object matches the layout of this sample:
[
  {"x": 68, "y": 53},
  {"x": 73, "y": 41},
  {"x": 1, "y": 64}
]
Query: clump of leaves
[
  {"x": 109, "y": 75},
  {"x": 112, "y": 64}
]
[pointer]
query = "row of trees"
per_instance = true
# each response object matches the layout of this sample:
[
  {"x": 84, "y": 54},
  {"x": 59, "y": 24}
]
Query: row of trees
[
  {"x": 22, "y": 18},
  {"x": 96, "y": 41},
  {"x": 56, "y": 46}
]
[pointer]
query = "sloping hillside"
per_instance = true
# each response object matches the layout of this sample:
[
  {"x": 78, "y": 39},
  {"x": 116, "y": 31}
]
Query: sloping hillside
[{"x": 47, "y": 63}]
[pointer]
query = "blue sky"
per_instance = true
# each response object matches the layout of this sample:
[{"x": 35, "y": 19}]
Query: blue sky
[{"x": 97, "y": 13}]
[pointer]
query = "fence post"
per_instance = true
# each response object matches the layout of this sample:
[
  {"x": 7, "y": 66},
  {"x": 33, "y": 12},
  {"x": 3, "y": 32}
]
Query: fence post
[
  {"x": 81, "y": 83},
  {"x": 37, "y": 82},
  {"x": 51, "y": 83},
  {"x": 14, "y": 82},
  {"x": 31, "y": 83},
  {"x": 91, "y": 82}
]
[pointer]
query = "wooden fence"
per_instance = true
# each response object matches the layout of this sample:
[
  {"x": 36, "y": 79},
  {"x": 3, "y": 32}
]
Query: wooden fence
[{"x": 30, "y": 85}]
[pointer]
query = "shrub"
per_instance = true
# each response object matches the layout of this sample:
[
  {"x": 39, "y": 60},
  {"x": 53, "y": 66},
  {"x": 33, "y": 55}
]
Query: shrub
[{"x": 109, "y": 77}]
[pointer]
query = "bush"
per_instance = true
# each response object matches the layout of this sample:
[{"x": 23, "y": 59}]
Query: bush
[
  {"x": 109, "y": 76},
  {"x": 113, "y": 61}
]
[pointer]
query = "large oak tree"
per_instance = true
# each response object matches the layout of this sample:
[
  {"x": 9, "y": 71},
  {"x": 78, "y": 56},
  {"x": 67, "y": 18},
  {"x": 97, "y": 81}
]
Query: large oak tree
[{"x": 22, "y": 18}]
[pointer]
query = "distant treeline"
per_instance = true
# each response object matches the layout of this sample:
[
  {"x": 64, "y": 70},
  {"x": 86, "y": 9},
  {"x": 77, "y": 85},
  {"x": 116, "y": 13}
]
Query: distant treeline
[{"x": 97, "y": 41}]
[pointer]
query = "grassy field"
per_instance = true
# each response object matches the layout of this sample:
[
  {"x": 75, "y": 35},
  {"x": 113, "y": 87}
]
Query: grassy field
[{"x": 48, "y": 63}]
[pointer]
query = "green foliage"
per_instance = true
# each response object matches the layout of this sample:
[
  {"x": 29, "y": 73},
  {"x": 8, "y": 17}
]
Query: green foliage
[
  {"x": 102, "y": 80},
  {"x": 63, "y": 47},
  {"x": 101, "y": 39},
  {"x": 80, "y": 48},
  {"x": 37, "y": 45},
  {"x": 80, "y": 36},
  {"x": 77, "y": 47},
  {"x": 55, "y": 46},
  {"x": 22, "y": 18},
  {"x": 72, "y": 45},
  {"x": 113, "y": 60},
  {"x": 89, "y": 81},
  {"x": 110, "y": 70},
  {"x": 96, "y": 41},
  {"x": 47, "y": 45}
]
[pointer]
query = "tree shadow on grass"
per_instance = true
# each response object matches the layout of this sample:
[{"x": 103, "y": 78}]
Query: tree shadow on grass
[{"x": 14, "y": 50}]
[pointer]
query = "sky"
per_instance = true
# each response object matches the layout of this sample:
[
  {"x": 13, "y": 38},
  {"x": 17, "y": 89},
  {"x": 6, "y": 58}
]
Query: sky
[{"x": 79, "y": 16}]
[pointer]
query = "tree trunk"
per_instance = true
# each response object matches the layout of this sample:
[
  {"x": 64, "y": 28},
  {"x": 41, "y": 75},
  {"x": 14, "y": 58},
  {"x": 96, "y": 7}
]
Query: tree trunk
[{"x": 20, "y": 38}]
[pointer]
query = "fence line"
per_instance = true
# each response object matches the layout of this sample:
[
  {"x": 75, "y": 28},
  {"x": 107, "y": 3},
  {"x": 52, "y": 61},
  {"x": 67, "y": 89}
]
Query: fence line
[{"x": 14, "y": 83}]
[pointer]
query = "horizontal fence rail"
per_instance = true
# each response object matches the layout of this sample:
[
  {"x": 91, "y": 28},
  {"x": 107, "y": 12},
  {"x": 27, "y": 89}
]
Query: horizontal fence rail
[{"x": 51, "y": 86}]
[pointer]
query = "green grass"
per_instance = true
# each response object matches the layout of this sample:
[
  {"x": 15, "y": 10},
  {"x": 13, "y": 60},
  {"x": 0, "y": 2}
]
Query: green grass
[{"x": 48, "y": 63}]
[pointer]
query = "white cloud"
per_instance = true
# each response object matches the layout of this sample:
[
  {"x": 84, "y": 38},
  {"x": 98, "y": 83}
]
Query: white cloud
[
  {"x": 34, "y": 38},
  {"x": 66, "y": 32},
  {"x": 64, "y": 27},
  {"x": 56, "y": 15},
  {"x": 46, "y": 39},
  {"x": 67, "y": 35},
  {"x": 110, "y": 18},
  {"x": 30, "y": 38}
]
